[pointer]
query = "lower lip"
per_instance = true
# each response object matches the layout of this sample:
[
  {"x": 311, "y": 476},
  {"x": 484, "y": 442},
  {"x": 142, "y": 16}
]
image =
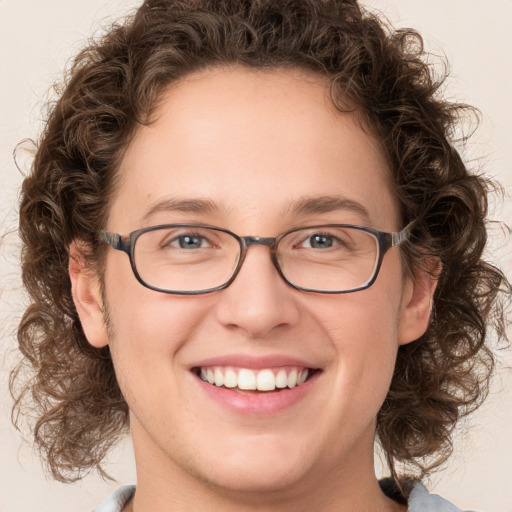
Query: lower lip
[{"x": 265, "y": 403}]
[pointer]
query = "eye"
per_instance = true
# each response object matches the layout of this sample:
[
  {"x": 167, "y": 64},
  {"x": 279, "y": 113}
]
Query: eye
[
  {"x": 320, "y": 241},
  {"x": 188, "y": 241}
]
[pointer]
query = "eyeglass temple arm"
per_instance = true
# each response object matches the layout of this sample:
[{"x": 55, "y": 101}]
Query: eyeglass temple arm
[
  {"x": 113, "y": 239},
  {"x": 401, "y": 236}
]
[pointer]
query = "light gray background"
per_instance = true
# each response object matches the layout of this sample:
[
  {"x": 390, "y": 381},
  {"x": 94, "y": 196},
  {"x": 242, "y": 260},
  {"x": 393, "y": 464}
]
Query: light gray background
[{"x": 37, "y": 38}]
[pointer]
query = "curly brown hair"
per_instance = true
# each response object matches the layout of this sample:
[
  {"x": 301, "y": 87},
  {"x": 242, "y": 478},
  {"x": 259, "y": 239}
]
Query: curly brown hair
[{"x": 114, "y": 85}]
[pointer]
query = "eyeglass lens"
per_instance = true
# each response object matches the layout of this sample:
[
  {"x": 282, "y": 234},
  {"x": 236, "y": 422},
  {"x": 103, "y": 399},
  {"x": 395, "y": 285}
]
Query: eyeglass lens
[{"x": 191, "y": 259}]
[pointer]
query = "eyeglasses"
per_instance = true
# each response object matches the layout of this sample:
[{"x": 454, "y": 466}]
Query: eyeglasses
[{"x": 192, "y": 259}]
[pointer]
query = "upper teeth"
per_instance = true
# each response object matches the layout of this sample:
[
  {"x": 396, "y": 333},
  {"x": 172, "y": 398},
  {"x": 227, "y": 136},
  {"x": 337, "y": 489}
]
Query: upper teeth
[{"x": 261, "y": 380}]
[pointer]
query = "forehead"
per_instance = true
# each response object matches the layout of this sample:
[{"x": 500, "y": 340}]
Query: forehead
[{"x": 252, "y": 144}]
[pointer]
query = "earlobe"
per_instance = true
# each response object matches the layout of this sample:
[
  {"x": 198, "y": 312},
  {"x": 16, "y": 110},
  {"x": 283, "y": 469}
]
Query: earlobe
[
  {"x": 85, "y": 290},
  {"x": 418, "y": 300}
]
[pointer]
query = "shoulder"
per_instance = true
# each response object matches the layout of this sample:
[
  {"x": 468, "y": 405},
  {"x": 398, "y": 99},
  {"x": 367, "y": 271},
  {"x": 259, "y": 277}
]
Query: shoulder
[
  {"x": 420, "y": 500},
  {"x": 117, "y": 500}
]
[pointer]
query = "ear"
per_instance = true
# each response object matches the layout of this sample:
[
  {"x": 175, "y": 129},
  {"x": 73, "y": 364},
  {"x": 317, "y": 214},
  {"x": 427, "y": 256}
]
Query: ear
[
  {"x": 417, "y": 301},
  {"x": 85, "y": 289}
]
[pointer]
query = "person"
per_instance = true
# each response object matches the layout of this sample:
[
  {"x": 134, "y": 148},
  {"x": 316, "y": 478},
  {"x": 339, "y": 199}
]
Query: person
[{"x": 303, "y": 270}]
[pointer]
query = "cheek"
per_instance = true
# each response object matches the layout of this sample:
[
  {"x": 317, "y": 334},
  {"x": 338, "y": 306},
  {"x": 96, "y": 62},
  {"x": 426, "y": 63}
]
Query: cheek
[
  {"x": 367, "y": 342},
  {"x": 151, "y": 325},
  {"x": 144, "y": 320},
  {"x": 147, "y": 333},
  {"x": 363, "y": 331},
  {"x": 361, "y": 323}
]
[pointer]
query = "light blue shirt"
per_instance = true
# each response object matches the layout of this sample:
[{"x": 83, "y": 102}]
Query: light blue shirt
[{"x": 420, "y": 500}]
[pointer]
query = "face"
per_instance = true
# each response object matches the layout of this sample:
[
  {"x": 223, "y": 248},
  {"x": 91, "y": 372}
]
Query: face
[{"x": 242, "y": 150}]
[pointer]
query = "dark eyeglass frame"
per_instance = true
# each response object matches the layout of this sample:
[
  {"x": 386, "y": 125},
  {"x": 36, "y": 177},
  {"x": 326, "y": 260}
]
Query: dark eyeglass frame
[{"x": 385, "y": 240}]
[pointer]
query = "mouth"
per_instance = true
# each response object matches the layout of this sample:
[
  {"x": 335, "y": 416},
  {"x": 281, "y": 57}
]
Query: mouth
[
  {"x": 247, "y": 380},
  {"x": 258, "y": 387}
]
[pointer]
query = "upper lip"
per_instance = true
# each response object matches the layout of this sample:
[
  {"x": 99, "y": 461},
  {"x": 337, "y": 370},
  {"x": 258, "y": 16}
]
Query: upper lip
[{"x": 253, "y": 362}]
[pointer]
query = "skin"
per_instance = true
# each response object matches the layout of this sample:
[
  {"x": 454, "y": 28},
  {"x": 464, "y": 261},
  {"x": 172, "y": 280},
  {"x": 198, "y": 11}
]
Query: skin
[{"x": 253, "y": 143}]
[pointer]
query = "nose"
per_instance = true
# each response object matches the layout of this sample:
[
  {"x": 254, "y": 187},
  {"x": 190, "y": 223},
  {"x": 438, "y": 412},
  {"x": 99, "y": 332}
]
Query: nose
[{"x": 258, "y": 301}]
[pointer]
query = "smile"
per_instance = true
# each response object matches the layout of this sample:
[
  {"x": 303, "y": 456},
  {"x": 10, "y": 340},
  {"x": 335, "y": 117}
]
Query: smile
[{"x": 265, "y": 379}]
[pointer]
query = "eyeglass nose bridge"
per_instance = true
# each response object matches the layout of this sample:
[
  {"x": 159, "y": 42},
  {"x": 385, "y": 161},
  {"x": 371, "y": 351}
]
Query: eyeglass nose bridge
[
  {"x": 246, "y": 242},
  {"x": 257, "y": 240}
]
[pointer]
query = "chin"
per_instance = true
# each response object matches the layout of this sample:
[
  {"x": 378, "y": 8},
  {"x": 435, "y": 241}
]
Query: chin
[
  {"x": 262, "y": 479},
  {"x": 264, "y": 470}
]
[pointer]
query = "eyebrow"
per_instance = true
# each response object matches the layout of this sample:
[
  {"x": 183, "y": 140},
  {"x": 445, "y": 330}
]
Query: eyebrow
[
  {"x": 304, "y": 206},
  {"x": 327, "y": 204},
  {"x": 201, "y": 206}
]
